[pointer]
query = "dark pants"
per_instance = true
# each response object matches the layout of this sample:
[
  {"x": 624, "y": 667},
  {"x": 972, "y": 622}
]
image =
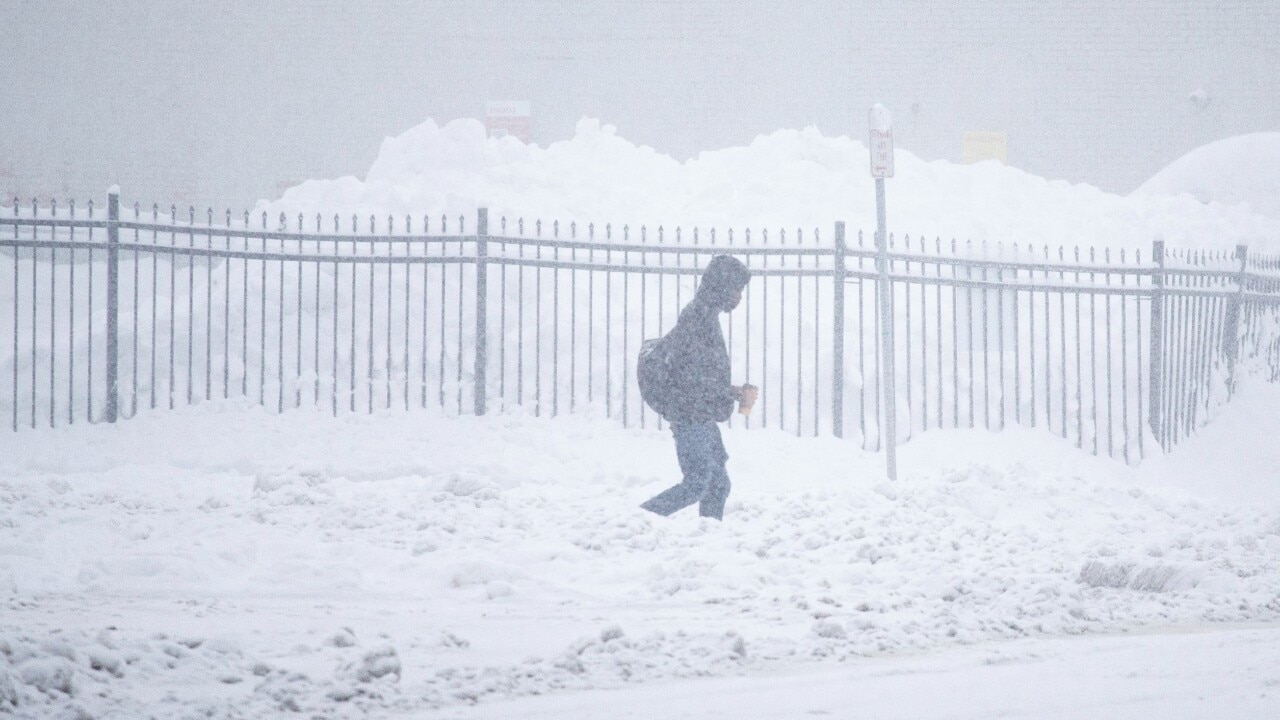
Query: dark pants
[{"x": 700, "y": 451}]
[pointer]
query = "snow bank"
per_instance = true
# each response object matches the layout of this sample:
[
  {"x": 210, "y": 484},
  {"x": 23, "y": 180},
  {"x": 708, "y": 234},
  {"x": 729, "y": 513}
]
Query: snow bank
[
  {"x": 1242, "y": 170},
  {"x": 787, "y": 179},
  {"x": 409, "y": 561}
]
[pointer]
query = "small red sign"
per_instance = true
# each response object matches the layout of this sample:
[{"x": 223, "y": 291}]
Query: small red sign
[{"x": 508, "y": 117}]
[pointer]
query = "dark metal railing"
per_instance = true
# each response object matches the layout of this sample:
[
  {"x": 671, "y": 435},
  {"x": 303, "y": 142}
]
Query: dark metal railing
[{"x": 1104, "y": 348}]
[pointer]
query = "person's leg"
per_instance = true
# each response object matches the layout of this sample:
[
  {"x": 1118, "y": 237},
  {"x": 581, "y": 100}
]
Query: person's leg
[
  {"x": 717, "y": 490},
  {"x": 695, "y": 451}
]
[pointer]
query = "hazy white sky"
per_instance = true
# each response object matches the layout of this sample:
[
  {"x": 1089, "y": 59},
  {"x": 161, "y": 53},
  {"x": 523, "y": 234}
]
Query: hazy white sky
[{"x": 223, "y": 101}]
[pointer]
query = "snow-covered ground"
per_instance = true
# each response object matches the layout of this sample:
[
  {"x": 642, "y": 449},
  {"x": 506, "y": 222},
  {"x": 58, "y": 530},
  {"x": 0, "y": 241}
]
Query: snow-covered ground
[
  {"x": 1181, "y": 673},
  {"x": 224, "y": 561}
]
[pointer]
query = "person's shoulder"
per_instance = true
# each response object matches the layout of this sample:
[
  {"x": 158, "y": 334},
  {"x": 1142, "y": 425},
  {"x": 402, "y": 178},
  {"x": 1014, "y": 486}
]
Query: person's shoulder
[{"x": 695, "y": 312}]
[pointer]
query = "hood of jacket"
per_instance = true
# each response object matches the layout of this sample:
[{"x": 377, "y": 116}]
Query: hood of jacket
[{"x": 724, "y": 278}]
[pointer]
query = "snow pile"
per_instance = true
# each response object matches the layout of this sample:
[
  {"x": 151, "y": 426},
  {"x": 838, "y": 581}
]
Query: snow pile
[
  {"x": 223, "y": 557},
  {"x": 1239, "y": 170},
  {"x": 788, "y": 179}
]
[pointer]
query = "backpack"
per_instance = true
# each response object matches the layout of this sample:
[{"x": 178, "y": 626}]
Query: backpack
[{"x": 654, "y": 374}]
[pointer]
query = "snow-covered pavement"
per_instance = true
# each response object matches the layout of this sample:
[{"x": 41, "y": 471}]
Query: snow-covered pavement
[
  {"x": 223, "y": 561},
  {"x": 1185, "y": 674}
]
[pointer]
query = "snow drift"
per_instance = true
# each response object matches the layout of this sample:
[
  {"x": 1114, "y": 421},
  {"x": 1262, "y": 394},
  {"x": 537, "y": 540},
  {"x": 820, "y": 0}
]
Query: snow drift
[
  {"x": 790, "y": 178},
  {"x": 221, "y": 558},
  {"x": 1242, "y": 170}
]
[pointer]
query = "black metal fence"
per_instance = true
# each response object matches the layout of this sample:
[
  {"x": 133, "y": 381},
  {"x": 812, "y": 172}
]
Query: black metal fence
[{"x": 116, "y": 315}]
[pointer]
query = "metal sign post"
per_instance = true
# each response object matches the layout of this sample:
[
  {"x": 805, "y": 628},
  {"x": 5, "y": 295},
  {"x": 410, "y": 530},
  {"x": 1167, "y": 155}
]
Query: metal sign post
[{"x": 881, "y": 125}]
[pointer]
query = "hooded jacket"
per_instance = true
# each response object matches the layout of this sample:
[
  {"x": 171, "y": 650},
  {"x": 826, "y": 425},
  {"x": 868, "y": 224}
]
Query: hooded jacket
[{"x": 699, "y": 358}]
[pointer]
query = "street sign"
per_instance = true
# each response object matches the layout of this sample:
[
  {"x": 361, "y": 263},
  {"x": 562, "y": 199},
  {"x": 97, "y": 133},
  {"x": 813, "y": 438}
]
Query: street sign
[
  {"x": 881, "y": 123},
  {"x": 979, "y": 146},
  {"x": 508, "y": 117}
]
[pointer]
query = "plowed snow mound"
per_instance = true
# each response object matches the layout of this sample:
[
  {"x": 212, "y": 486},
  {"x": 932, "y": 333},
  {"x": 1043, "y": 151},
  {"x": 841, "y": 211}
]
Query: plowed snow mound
[{"x": 1243, "y": 169}]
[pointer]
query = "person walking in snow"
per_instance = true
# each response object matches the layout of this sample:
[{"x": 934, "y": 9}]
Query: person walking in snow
[{"x": 698, "y": 394}]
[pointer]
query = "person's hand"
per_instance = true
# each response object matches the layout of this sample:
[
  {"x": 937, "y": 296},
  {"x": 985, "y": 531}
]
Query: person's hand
[{"x": 747, "y": 395}]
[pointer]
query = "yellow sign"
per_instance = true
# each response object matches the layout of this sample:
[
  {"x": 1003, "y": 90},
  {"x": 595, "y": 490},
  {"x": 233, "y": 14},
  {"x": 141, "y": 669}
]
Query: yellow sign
[{"x": 978, "y": 146}]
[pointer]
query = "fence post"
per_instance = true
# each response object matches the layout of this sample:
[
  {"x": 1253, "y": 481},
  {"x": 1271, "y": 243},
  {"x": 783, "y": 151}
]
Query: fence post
[
  {"x": 113, "y": 303},
  {"x": 837, "y": 334},
  {"x": 889, "y": 419},
  {"x": 1156, "y": 370},
  {"x": 1231, "y": 333},
  {"x": 482, "y": 294}
]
